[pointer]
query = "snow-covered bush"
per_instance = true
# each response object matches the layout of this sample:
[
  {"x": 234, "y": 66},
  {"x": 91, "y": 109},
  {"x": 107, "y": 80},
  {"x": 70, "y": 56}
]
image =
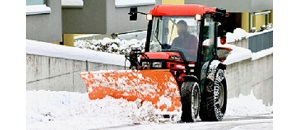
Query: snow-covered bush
[{"x": 115, "y": 46}]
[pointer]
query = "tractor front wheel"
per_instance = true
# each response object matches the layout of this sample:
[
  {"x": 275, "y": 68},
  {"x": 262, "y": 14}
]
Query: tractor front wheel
[{"x": 190, "y": 101}]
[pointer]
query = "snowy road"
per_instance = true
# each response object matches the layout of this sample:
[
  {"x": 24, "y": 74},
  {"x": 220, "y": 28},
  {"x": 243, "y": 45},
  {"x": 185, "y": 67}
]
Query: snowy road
[
  {"x": 261, "y": 122},
  {"x": 69, "y": 110}
]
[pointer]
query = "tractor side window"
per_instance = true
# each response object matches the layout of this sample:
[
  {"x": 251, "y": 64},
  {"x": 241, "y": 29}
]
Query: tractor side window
[
  {"x": 208, "y": 42},
  {"x": 156, "y": 37}
]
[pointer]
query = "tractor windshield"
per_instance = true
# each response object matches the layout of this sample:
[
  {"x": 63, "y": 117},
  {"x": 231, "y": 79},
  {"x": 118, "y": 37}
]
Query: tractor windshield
[{"x": 175, "y": 33}]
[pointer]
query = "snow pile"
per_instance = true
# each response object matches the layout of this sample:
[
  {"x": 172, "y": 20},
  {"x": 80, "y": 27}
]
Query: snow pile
[
  {"x": 238, "y": 34},
  {"x": 247, "y": 106},
  {"x": 237, "y": 54},
  {"x": 115, "y": 46},
  {"x": 53, "y": 50},
  {"x": 69, "y": 110},
  {"x": 262, "y": 53}
]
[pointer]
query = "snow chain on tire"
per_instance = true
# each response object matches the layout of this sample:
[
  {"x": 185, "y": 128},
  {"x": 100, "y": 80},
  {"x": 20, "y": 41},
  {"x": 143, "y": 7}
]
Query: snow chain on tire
[{"x": 210, "y": 104}]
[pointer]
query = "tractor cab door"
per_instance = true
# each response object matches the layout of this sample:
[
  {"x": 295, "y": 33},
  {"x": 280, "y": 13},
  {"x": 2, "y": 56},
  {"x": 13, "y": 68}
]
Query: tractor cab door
[
  {"x": 208, "y": 46},
  {"x": 208, "y": 39}
]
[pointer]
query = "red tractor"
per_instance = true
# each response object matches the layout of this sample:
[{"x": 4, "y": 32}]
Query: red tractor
[{"x": 180, "y": 68}]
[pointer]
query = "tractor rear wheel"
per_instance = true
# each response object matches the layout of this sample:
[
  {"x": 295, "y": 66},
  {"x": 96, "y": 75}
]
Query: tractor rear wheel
[
  {"x": 214, "y": 98},
  {"x": 190, "y": 101}
]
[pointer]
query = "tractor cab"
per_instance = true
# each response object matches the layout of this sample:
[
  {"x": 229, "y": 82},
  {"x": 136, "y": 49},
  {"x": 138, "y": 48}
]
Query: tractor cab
[
  {"x": 181, "y": 38},
  {"x": 182, "y": 34}
]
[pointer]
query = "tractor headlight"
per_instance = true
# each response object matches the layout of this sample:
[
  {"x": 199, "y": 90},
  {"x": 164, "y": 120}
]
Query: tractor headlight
[
  {"x": 157, "y": 64},
  {"x": 145, "y": 64}
]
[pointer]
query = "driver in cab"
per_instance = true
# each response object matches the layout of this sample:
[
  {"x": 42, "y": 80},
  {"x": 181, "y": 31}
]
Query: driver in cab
[{"x": 185, "y": 41}]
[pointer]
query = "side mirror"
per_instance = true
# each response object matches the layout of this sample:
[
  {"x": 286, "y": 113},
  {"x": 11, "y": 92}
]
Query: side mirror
[
  {"x": 220, "y": 15},
  {"x": 133, "y": 13}
]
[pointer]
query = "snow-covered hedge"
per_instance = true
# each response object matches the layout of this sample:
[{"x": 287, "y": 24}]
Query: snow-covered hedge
[
  {"x": 123, "y": 47},
  {"x": 115, "y": 46}
]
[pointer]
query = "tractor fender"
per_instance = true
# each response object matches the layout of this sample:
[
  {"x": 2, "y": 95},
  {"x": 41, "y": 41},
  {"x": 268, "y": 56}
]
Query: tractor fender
[
  {"x": 190, "y": 78},
  {"x": 209, "y": 69}
]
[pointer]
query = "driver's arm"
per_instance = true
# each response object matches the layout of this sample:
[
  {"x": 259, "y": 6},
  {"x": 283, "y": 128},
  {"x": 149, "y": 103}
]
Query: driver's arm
[{"x": 175, "y": 43}]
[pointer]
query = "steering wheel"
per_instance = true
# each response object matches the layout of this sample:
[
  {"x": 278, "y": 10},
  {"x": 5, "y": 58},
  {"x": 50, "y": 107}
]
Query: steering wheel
[
  {"x": 165, "y": 46},
  {"x": 184, "y": 51}
]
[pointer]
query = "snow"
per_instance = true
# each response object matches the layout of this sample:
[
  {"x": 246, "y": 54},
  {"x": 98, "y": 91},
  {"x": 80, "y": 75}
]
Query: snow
[
  {"x": 73, "y": 3},
  {"x": 237, "y": 34},
  {"x": 262, "y": 53},
  {"x": 122, "y": 47},
  {"x": 71, "y": 110},
  {"x": 59, "y": 51},
  {"x": 130, "y": 3},
  {"x": 258, "y": 33},
  {"x": 37, "y": 9},
  {"x": 115, "y": 46},
  {"x": 237, "y": 54},
  {"x": 246, "y": 106}
]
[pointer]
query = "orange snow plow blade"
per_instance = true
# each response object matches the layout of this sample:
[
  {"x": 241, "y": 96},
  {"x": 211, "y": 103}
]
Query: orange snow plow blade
[{"x": 156, "y": 86}]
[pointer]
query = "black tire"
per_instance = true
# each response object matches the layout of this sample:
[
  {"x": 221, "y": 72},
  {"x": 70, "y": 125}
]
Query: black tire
[
  {"x": 213, "y": 107},
  {"x": 190, "y": 101}
]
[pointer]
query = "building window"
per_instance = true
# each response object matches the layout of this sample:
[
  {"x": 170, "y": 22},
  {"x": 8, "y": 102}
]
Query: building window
[
  {"x": 35, "y": 2},
  {"x": 34, "y": 7}
]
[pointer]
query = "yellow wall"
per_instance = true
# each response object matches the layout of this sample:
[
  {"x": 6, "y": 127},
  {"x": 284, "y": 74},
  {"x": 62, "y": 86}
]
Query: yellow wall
[
  {"x": 271, "y": 16},
  {"x": 68, "y": 39},
  {"x": 172, "y": 1},
  {"x": 258, "y": 21},
  {"x": 245, "y": 21}
]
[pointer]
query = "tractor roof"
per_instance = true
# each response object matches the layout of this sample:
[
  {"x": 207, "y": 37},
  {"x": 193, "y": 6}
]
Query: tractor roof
[{"x": 181, "y": 10}]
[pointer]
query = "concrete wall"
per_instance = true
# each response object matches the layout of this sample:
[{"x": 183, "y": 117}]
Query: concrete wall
[
  {"x": 251, "y": 75},
  {"x": 56, "y": 74},
  {"x": 46, "y": 27},
  {"x": 101, "y": 17},
  {"x": 240, "y": 43}
]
